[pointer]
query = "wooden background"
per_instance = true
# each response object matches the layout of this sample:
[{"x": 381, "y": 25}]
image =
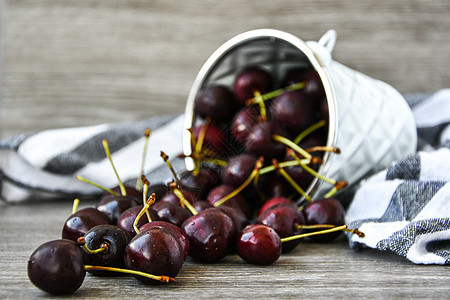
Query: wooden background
[{"x": 73, "y": 63}]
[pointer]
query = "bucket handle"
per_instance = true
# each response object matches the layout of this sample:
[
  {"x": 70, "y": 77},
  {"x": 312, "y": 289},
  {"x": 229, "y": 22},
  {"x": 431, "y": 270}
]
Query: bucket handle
[{"x": 328, "y": 40}]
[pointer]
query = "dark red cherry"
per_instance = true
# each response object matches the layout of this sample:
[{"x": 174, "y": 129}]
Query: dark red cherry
[
  {"x": 160, "y": 189},
  {"x": 81, "y": 221},
  {"x": 115, "y": 239},
  {"x": 260, "y": 140},
  {"x": 175, "y": 230},
  {"x": 237, "y": 202},
  {"x": 216, "y": 102},
  {"x": 126, "y": 219},
  {"x": 202, "y": 205},
  {"x": 283, "y": 218},
  {"x": 325, "y": 211},
  {"x": 275, "y": 201},
  {"x": 131, "y": 191},
  {"x": 114, "y": 206},
  {"x": 250, "y": 81},
  {"x": 243, "y": 122},
  {"x": 294, "y": 111},
  {"x": 259, "y": 244},
  {"x": 156, "y": 251},
  {"x": 199, "y": 183},
  {"x": 238, "y": 169},
  {"x": 313, "y": 88},
  {"x": 172, "y": 213},
  {"x": 57, "y": 267},
  {"x": 213, "y": 140},
  {"x": 211, "y": 234}
]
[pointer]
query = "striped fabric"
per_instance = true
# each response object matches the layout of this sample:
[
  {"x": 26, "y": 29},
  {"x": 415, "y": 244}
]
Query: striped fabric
[{"x": 404, "y": 209}]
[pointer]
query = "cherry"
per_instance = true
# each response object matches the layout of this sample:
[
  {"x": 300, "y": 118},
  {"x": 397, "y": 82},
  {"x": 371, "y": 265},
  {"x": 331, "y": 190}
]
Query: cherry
[
  {"x": 260, "y": 140},
  {"x": 250, "y": 81},
  {"x": 112, "y": 240},
  {"x": 259, "y": 244},
  {"x": 211, "y": 234},
  {"x": 237, "y": 202},
  {"x": 213, "y": 139},
  {"x": 325, "y": 211},
  {"x": 130, "y": 191},
  {"x": 243, "y": 121},
  {"x": 275, "y": 201},
  {"x": 126, "y": 219},
  {"x": 314, "y": 87},
  {"x": 172, "y": 213},
  {"x": 283, "y": 218},
  {"x": 114, "y": 206},
  {"x": 175, "y": 230},
  {"x": 294, "y": 111},
  {"x": 57, "y": 267},
  {"x": 155, "y": 250},
  {"x": 78, "y": 223},
  {"x": 160, "y": 189},
  {"x": 238, "y": 169},
  {"x": 216, "y": 102},
  {"x": 202, "y": 205},
  {"x": 199, "y": 183},
  {"x": 173, "y": 198}
]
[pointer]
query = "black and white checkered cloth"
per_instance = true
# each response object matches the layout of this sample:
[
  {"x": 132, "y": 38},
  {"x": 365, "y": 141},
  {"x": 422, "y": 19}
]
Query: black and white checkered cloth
[{"x": 405, "y": 209}]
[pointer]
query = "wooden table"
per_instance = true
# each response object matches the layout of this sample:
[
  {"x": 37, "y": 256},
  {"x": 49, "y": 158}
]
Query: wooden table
[
  {"x": 312, "y": 270},
  {"x": 81, "y": 63}
]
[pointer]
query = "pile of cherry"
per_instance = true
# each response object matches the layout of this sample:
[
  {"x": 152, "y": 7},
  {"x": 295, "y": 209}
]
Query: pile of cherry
[{"x": 255, "y": 152}]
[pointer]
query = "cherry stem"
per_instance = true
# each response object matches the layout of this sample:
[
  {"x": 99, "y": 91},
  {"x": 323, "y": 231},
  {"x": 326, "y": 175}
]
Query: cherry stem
[
  {"x": 76, "y": 203},
  {"x": 108, "y": 154},
  {"x": 144, "y": 155},
  {"x": 165, "y": 157},
  {"x": 97, "y": 185},
  {"x": 144, "y": 210},
  {"x": 82, "y": 242},
  {"x": 162, "y": 278},
  {"x": 292, "y": 145},
  {"x": 183, "y": 201},
  {"x": 262, "y": 106},
  {"x": 291, "y": 180},
  {"x": 284, "y": 164},
  {"x": 309, "y": 130},
  {"x": 324, "y": 149},
  {"x": 144, "y": 195},
  {"x": 274, "y": 93},
  {"x": 317, "y": 226},
  {"x": 299, "y": 236},
  {"x": 253, "y": 174}
]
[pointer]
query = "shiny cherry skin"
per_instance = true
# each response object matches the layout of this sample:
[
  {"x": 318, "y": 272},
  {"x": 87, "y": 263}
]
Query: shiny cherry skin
[
  {"x": 237, "y": 202},
  {"x": 175, "y": 230},
  {"x": 114, "y": 206},
  {"x": 275, "y": 201},
  {"x": 252, "y": 80},
  {"x": 238, "y": 169},
  {"x": 216, "y": 102},
  {"x": 283, "y": 218},
  {"x": 126, "y": 219},
  {"x": 115, "y": 238},
  {"x": 243, "y": 122},
  {"x": 214, "y": 140},
  {"x": 78, "y": 223},
  {"x": 260, "y": 140},
  {"x": 201, "y": 183},
  {"x": 325, "y": 211},
  {"x": 211, "y": 234},
  {"x": 259, "y": 244},
  {"x": 155, "y": 251},
  {"x": 57, "y": 267},
  {"x": 172, "y": 213}
]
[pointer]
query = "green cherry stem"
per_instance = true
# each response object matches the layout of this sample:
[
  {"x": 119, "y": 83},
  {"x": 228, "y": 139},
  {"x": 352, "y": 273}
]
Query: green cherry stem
[
  {"x": 165, "y": 157},
  {"x": 97, "y": 185},
  {"x": 76, "y": 203},
  {"x": 291, "y": 180},
  {"x": 108, "y": 154},
  {"x": 299, "y": 236},
  {"x": 319, "y": 226},
  {"x": 292, "y": 145},
  {"x": 283, "y": 164},
  {"x": 184, "y": 201},
  {"x": 147, "y": 133},
  {"x": 143, "y": 211},
  {"x": 309, "y": 130},
  {"x": 275, "y": 93},
  {"x": 253, "y": 174},
  {"x": 161, "y": 278},
  {"x": 82, "y": 242}
]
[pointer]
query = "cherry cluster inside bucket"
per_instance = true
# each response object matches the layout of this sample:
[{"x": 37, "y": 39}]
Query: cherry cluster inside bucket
[{"x": 256, "y": 147}]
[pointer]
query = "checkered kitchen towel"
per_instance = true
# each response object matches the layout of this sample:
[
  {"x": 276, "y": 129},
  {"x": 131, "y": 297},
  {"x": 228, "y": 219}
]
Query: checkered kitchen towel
[{"x": 405, "y": 209}]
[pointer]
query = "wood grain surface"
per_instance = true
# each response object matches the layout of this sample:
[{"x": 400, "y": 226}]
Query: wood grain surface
[
  {"x": 76, "y": 63},
  {"x": 73, "y": 63}
]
